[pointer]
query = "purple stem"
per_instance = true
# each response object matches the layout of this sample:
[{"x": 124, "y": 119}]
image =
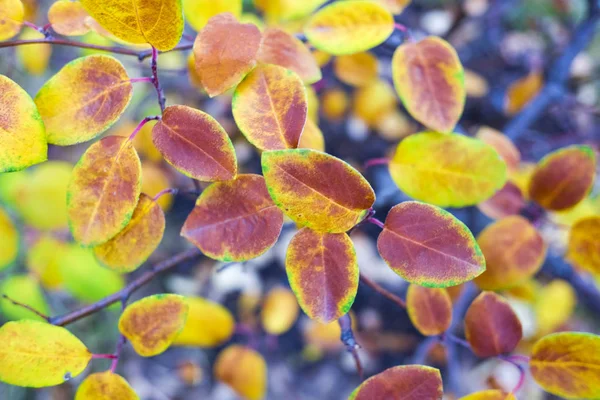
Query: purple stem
[
  {"x": 401, "y": 27},
  {"x": 115, "y": 362},
  {"x": 108, "y": 356},
  {"x": 32, "y": 26},
  {"x": 165, "y": 191},
  {"x": 457, "y": 340},
  {"x": 142, "y": 79},
  {"x": 521, "y": 381},
  {"x": 376, "y": 161},
  {"x": 141, "y": 125},
  {"x": 375, "y": 221},
  {"x": 159, "y": 91}
]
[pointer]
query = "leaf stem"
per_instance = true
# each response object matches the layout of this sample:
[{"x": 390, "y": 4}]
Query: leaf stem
[
  {"x": 376, "y": 161},
  {"x": 142, "y": 79},
  {"x": 19, "y": 304},
  {"x": 173, "y": 191},
  {"x": 385, "y": 293},
  {"x": 106, "y": 356},
  {"x": 141, "y": 125},
  {"x": 375, "y": 221}
]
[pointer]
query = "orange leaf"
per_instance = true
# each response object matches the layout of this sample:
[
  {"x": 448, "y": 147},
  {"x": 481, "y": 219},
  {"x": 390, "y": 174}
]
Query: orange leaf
[
  {"x": 312, "y": 137},
  {"x": 584, "y": 246},
  {"x": 104, "y": 386},
  {"x": 357, "y": 69},
  {"x": 244, "y": 370},
  {"x": 68, "y": 18},
  {"x": 523, "y": 91},
  {"x": 429, "y": 309},
  {"x": 505, "y": 202}
]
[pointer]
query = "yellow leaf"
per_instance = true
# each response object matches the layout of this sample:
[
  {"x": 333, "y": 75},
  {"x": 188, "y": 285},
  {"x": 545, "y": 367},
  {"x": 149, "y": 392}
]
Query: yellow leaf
[
  {"x": 244, "y": 370},
  {"x": 11, "y": 18},
  {"x": 198, "y": 12},
  {"x": 554, "y": 306},
  {"x": 37, "y": 354},
  {"x": 285, "y": 10},
  {"x": 154, "y": 180},
  {"x": 279, "y": 311},
  {"x": 208, "y": 324},
  {"x": 152, "y": 323},
  {"x": 26, "y": 290},
  {"x": 373, "y": 101},
  {"x": 357, "y": 69},
  {"x": 584, "y": 247},
  {"x": 105, "y": 386},
  {"x": 335, "y": 103},
  {"x": 34, "y": 57},
  {"x": 522, "y": 91},
  {"x": 157, "y": 22},
  {"x": 9, "y": 245}
]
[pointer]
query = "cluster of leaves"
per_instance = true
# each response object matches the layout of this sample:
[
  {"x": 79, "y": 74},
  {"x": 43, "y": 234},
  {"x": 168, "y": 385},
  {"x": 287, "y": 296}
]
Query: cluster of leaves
[{"x": 116, "y": 225}]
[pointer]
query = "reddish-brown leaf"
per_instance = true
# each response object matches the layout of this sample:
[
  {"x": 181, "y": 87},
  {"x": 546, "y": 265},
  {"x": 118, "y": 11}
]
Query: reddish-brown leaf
[
  {"x": 406, "y": 382},
  {"x": 505, "y": 202},
  {"x": 429, "y": 309}
]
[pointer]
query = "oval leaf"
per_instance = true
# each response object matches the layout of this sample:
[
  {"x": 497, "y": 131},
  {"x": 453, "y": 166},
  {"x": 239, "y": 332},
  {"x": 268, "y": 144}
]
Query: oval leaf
[
  {"x": 208, "y": 324},
  {"x": 490, "y": 395},
  {"x": 447, "y": 170},
  {"x": 234, "y": 220},
  {"x": 26, "y": 290},
  {"x": 11, "y": 18},
  {"x": 270, "y": 108},
  {"x": 68, "y": 18},
  {"x": 312, "y": 137},
  {"x": 429, "y": 79},
  {"x": 502, "y": 144},
  {"x": 567, "y": 364},
  {"x": 37, "y": 354},
  {"x": 349, "y": 27},
  {"x": 279, "y": 311},
  {"x": 584, "y": 246},
  {"x": 404, "y": 382},
  {"x": 105, "y": 385},
  {"x": 280, "y": 48},
  {"x": 43, "y": 260},
  {"x": 9, "y": 245},
  {"x": 505, "y": 202},
  {"x": 198, "y": 12},
  {"x": 195, "y": 144},
  {"x": 222, "y": 64},
  {"x": 358, "y": 69},
  {"x": 429, "y": 309},
  {"x": 244, "y": 370},
  {"x": 152, "y": 323},
  {"x": 323, "y": 273},
  {"x": 137, "y": 241},
  {"x": 522, "y": 91},
  {"x": 156, "y": 22},
  {"x": 563, "y": 178},
  {"x": 104, "y": 190},
  {"x": 83, "y": 99},
  {"x": 514, "y": 251},
  {"x": 317, "y": 190},
  {"x": 491, "y": 326},
  {"x": 22, "y": 132},
  {"x": 428, "y": 246}
]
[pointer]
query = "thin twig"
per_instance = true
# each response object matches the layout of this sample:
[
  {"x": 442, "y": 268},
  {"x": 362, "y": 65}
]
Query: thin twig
[
  {"x": 352, "y": 346},
  {"x": 125, "y": 293},
  {"x": 19, "y": 304},
  {"x": 389, "y": 295},
  {"x": 159, "y": 91}
]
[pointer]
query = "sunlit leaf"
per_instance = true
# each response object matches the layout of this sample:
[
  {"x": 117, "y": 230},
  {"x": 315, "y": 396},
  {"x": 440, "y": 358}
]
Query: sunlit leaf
[
  {"x": 323, "y": 273},
  {"x": 280, "y": 48},
  {"x": 104, "y": 190},
  {"x": 312, "y": 137},
  {"x": 26, "y": 290},
  {"x": 22, "y": 134},
  {"x": 244, "y": 370},
  {"x": 357, "y": 69},
  {"x": 374, "y": 100},
  {"x": 68, "y": 18},
  {"x": 514, "y": 251},
  {"x": 346, "y": 27},
  {"x": 78, "y": 266},
  {"x": 429, "y": 79},
  {"x": 83, "y": 99},
  {"x": 195, "y": 144},
  {"x": 11, "y": 18},
  {"x": 491, "y": 326},
  {"x": 43, "y": 260},
  {"x": 588, "y": 207},
  {"x": 523, "y": 91},
  {"x": 279, "y": 311},
  {"x": 428, "y": 246},
  {"x": 554, "y": 305},
  {"x": 9, "y": 245},
  {"x": 104, "y": 386},
  {"x": 222, "y": 64},
  {"x": 270, "y": 107},
  {"x": 152, "y": 323},
  {"x": 404, "y": 382},
  {"x": 503, "y": 145},
  {"x": 208, "y": 324},
  {"x": 34, "y": 57},
  {"x": 198, "y": 12},
  {"x": 156, "y": 22},
  {"x": 285, "y": 10},
  {"x": 563, "y": 178},
  {"x": 37, "y": 354},
  {"x": 584, "y": 244},
  {"x": 567, "y": 364},
  {"x": 447, "y": 170},
  {"x": 234, "y": 220},
  {"x": 137, "y": 241},
  {"x": 505, "y": 202},
  {"x": 317, "y": 190},
  {"x": 429, "y": 309},
  {"x": 493, "y": 394}
]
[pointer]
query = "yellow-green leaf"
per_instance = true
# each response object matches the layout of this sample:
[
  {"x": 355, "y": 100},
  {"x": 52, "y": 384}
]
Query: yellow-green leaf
[
  {"x": 105, "y": 386},
  {"x": 22, "y": 132},
  {"x": 9, "y": 245},
  {"x": 198, "y": 12},
  {"x": 26, "y": 290},
  {"x": 152, "y": 323},
  {"x": 44, "y": 258},
  {"x": 34, "y": 57},
  {"x": 156, "y": 22},
  {"x": 37, "y": 354}
]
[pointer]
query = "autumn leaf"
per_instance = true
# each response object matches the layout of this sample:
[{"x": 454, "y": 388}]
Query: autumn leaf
[
  {"x": 566, "y": 364},
  {"x": 198, "y": 12},
  {"x": 346, "y": 27},
  {"x": 287, "y": 10},
  {"x": 68, "y": 18},
  {"x": 103, "y": 191},
  {"x": 22, "y": 135},
  {"x": 429, "y": 309},
  {"x": 401, "y": 383},
  {"x": 11, "y": 18},
  {"x": 222, "y": 64},
  {"x": 522, "y": 91},
  {"x": 139, "y": 21},
  {"x": 244, "y": 370},
  {"x": 35, "y": 57},
  {"x": 584, "y": 246},
  {"x": 43, "y": 260},
  {"x": 357, "y": 69},
  {"x": 104, "y": 386},
  {"x": 505, "y": 148},
  {"x": 83, "y": 99},
  {"x": 428, "y": 246},
  {"x": 493, "y": 394},
  {"x": 279, "y": 311},
  {"x": 152, "y": 323},
  {"x": 491, "y": 326},
  {"x": 553, "y": 306},
  {"x": 234, "y": 220},
  {"x": 195, "y": 144},
  {"x": 505, "y": 202},
  {"x": 317, "y": 190},
  {"x": 312, "y": 137},
  {"x": 447, "y": 170},
  {"x": 9, "y": 246},
  {"x": 208, "y": 324},
  {"x": 37, "y": 354},
  {"x": 429, "y": 79},
  {"x": 323, "y": 273}
]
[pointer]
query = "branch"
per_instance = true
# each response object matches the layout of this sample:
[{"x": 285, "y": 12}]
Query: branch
[
  {"x": 123, "y": 294},
  {"x": 557, "y": 74},
  {"x": 25, "y": 306},
  {"x": 391, "y": 296}
]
